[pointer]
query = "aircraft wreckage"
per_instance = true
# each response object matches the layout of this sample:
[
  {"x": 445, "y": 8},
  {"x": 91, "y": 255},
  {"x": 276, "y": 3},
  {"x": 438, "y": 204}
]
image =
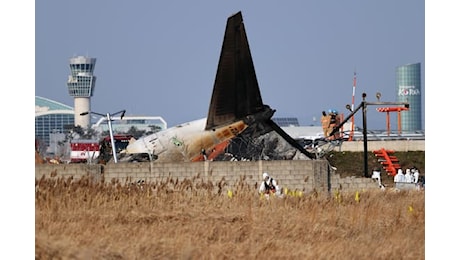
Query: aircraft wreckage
[{"x": 239, "y": 125}]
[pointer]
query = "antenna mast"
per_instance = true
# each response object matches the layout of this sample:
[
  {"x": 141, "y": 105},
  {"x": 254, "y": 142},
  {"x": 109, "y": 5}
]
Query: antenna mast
[{"x": 350, "y": 138}]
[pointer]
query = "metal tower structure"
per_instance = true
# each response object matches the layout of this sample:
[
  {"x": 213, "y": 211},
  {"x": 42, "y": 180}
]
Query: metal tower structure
[{"x": 81, "y": 83}]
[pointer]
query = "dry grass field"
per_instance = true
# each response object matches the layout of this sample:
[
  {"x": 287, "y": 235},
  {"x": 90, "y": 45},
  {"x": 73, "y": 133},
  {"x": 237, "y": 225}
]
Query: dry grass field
[{"x": 80, "y": 219}]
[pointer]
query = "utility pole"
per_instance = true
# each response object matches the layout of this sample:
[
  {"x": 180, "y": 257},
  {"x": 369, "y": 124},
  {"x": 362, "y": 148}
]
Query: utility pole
[
  {"x": 365, "y": 135},
  {"x": 363, "y": 106}
]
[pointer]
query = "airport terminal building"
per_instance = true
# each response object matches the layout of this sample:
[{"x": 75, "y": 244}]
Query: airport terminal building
[{"x": 54, "y": 120}]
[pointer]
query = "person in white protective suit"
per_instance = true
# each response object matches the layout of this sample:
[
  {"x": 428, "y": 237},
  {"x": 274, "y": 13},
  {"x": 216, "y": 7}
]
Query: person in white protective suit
[
  {"x": 399, "y": 177},
  {"x": 416, "y": 175},
  {"x": 376, "y": 175},
  {"x": 408, "y": 176},
  {"x": 269, "y": 186}
]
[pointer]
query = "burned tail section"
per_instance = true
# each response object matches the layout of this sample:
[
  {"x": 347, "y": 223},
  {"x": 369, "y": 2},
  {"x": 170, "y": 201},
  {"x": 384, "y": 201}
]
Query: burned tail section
[
  {"x": 236, "y": 92},
  {"x": 237, "y": 116}
]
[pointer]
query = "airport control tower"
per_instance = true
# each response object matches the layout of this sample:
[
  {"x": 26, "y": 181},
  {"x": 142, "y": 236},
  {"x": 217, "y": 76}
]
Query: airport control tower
[{"x": 81, "y": 85}]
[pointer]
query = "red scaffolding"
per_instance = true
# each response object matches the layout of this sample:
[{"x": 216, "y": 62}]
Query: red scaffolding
[{"x": 392, "y": 109}]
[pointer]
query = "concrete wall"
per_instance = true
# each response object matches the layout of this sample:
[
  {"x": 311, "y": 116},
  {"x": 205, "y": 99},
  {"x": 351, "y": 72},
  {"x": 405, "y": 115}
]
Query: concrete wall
[
  {"x": 302, "y": 175},
  {"x": 306, "y": 176},
  {"x": 396, "y": 145}
]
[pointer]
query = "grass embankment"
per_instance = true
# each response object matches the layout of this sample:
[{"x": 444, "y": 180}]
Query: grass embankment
[
  {"x": 185, "y": 220},
  {"x": 352, "y": 163}
]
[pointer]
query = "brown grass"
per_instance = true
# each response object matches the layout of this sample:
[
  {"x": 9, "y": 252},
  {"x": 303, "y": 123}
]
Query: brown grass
[{"x": 80, "y": 219}]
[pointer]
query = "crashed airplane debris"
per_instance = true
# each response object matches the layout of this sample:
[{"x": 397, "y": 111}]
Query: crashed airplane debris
[{"x": 238, "y": 125}]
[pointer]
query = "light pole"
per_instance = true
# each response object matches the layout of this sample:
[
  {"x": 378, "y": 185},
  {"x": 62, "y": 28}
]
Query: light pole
[
  {"x": 363, "y": 106},
  {"x": 109, "y": 122}
]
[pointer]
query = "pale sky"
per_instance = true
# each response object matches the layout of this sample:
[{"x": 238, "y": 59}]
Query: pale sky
[{"x": 159, "y": 58}]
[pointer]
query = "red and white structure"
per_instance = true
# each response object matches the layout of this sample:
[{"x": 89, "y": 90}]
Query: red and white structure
[
  {"x": 352, "y": 129},
  {"x": 84, "y": 150}
]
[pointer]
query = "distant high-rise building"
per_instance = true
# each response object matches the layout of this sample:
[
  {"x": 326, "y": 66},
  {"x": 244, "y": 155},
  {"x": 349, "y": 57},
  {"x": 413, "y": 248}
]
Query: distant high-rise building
[
  {"x": 408, "y": 89},
  {"x": 81, "y": 85}
]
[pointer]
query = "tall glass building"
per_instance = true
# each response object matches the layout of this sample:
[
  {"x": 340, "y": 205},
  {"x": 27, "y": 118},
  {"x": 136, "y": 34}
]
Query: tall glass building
[{"x": 408, "y": 89}]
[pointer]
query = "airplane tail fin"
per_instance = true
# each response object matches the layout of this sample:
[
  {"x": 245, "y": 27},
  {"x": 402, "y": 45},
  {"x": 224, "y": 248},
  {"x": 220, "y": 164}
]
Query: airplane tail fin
[{"x": 236, "y": 92}]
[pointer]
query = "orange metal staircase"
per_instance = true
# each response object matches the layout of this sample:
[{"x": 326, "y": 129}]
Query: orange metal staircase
[{"x": 389, "y": 162}]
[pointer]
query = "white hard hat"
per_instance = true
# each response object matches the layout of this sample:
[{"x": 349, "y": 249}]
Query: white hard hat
[{"x": 264, "y": 175}]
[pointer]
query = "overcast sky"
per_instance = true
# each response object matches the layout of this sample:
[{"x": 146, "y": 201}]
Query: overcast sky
[{"x": 159, "y": 58}]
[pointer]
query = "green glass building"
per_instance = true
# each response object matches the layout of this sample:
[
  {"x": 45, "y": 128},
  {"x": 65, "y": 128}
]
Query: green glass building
[{"x": 408, "y": 89}]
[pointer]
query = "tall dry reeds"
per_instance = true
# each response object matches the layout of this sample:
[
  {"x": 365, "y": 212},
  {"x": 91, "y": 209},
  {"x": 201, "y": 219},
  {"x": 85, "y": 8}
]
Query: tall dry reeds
[{"x": 83, "y": 219}]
